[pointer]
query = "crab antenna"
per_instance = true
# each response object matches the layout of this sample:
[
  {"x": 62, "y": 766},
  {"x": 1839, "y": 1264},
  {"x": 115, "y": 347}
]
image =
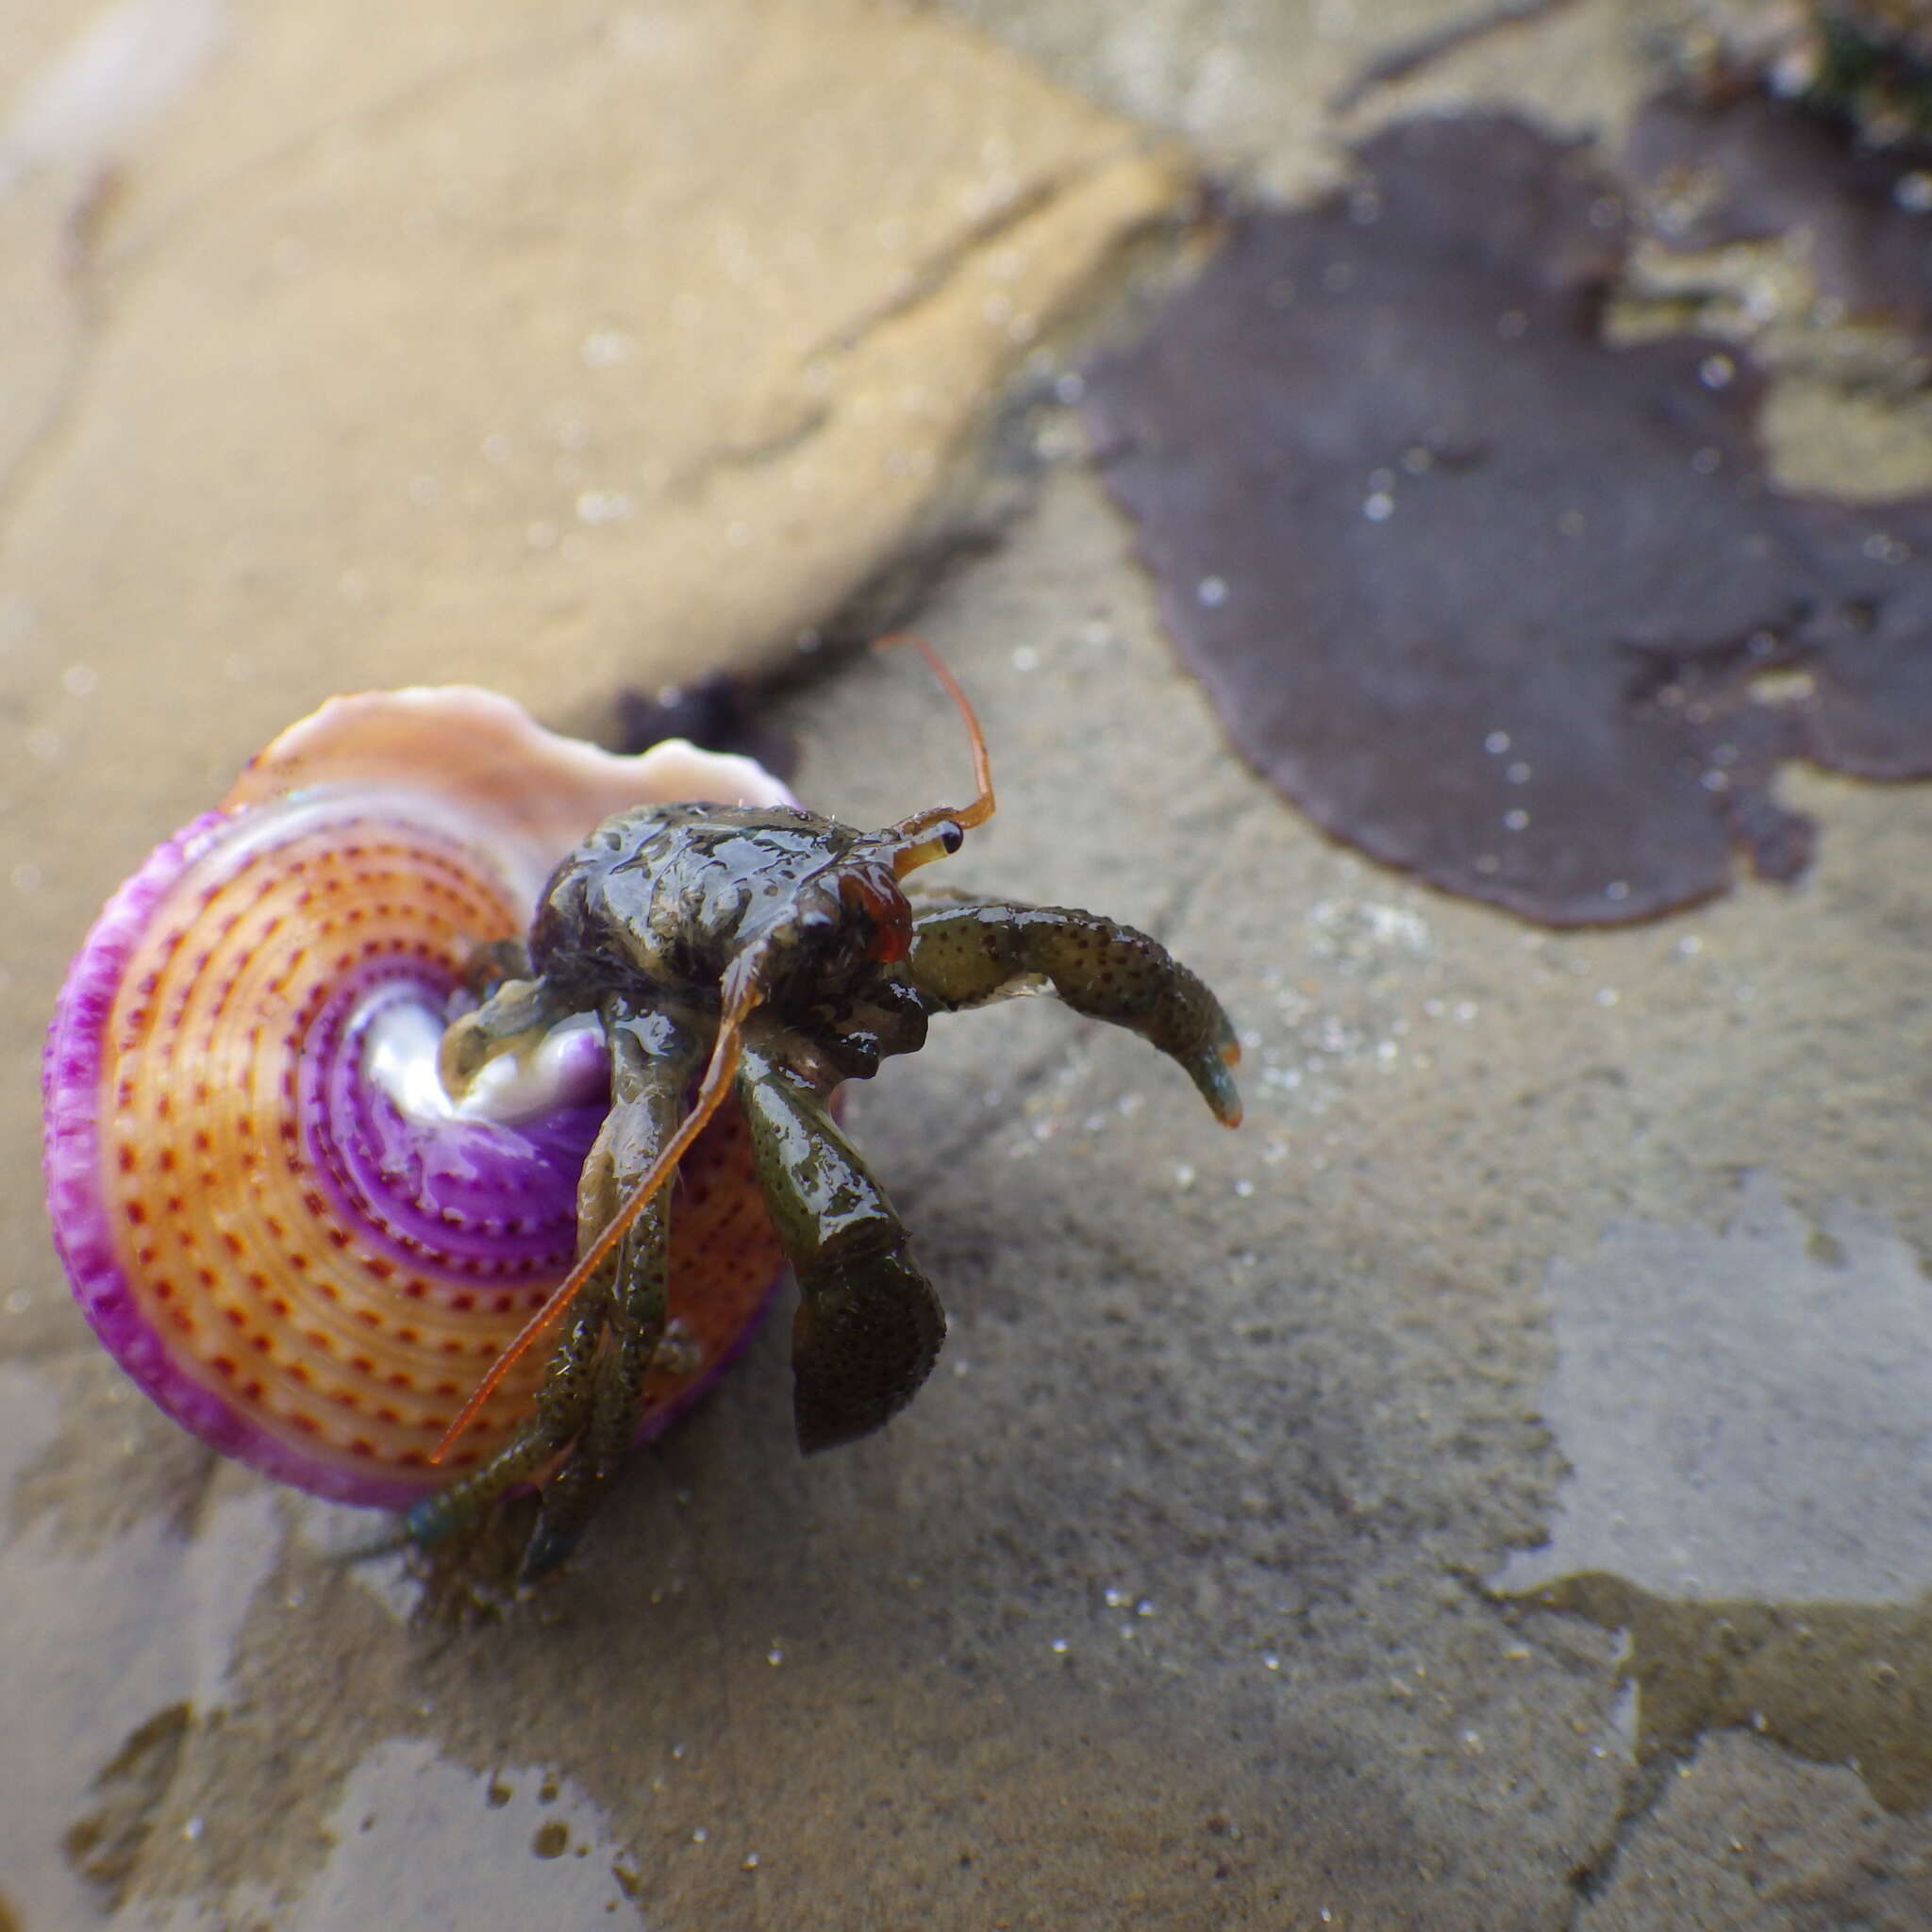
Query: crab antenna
[
  {"x": 915, "y": 843},
  {"x": 740, "y": 999}
]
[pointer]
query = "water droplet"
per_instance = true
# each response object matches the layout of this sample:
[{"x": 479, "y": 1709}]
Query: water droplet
[
  {"x": 1379, "y": 506},
  {"x": 605, "y": 348},
  {"x": 603, "y": 506},
  {"x": 1211, "y": 592},
  {"x": 1496, "y": 743}
]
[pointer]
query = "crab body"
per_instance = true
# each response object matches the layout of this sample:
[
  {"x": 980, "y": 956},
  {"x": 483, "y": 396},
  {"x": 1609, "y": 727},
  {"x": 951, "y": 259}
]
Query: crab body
[
  {"x": 662, "y": 923},
  {"x": 664, "y": 899}
]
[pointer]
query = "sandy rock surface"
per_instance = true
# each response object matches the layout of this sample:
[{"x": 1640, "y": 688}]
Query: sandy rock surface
[{"x": 1216, "y": 1578}]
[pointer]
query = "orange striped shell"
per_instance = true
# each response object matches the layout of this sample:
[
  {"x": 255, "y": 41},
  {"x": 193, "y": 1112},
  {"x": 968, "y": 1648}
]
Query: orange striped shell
[{"x": 271, "y": 1213}]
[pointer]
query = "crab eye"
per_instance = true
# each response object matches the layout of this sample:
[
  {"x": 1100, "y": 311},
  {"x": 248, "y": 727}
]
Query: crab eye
[{"x": 950, "y": 837}]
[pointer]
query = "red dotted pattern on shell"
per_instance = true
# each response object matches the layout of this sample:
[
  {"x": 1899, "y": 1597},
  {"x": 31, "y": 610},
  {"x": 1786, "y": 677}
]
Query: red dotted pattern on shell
[{"x": 333, "y": 1279}]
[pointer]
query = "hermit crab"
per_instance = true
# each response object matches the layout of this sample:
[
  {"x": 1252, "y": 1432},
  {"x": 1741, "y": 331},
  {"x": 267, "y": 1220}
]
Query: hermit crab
[{"x": 434, "y": 1118}]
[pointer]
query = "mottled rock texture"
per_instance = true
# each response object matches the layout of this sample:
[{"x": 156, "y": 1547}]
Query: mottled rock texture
[{"x": 1166, "y": 1603}]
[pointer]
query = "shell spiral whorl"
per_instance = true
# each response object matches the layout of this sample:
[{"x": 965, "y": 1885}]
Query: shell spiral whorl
[{"x": 272, "y": 1214}]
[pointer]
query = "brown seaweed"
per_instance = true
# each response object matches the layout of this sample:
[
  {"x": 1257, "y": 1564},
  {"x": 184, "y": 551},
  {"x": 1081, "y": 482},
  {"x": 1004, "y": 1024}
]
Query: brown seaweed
[{"x": 1489, "y": 598}]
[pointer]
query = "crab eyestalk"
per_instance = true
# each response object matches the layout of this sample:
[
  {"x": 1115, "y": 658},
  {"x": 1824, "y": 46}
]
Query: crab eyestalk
[{"x": 941, "y": 830}]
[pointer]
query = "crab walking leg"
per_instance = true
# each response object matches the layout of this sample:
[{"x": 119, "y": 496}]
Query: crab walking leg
[
  {"x": 652, "y": 1058},
  {"x": 561, "y": 1407},
  {"x": 869, "y": 1323},
  {"x": 972, "y": 952},
  {"x": 598, "y": 1364},
  {"x": 516, "y": 1013}
]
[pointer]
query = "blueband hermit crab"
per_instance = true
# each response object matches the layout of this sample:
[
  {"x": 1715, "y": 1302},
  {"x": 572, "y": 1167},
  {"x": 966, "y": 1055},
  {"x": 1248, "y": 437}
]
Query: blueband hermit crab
[{"x": 330, "y": 1143}]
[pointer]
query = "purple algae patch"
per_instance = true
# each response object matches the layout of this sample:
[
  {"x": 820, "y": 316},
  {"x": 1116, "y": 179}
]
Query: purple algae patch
[{"x": 1491, "y": 600}]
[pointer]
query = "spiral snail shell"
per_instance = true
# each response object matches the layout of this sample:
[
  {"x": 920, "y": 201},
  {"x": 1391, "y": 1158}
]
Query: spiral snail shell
[{"x": 271, "y": 1213}]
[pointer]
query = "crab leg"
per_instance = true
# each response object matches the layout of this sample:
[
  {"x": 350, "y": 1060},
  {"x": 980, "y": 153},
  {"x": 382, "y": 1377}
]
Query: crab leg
[
  {"x": 652, "y": 1060},
  {"x": 559, "y": 1418},
  {"x": 970, "y": 952},
  {"x": 868, "y": 1324},
  {"x": 590, "y": 1396}
]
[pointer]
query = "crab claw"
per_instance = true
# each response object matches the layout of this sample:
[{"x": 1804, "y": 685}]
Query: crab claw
[{"x": 866, "y": 1335}]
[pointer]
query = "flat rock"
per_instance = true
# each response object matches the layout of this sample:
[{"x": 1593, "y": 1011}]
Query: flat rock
[
  {"x": 1164, "y": 1603},
  {"x": 451, "y": 347}
]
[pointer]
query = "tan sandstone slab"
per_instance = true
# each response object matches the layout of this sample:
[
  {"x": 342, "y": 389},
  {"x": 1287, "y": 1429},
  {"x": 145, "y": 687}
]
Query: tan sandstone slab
[{"x": 557, "y": 358}]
